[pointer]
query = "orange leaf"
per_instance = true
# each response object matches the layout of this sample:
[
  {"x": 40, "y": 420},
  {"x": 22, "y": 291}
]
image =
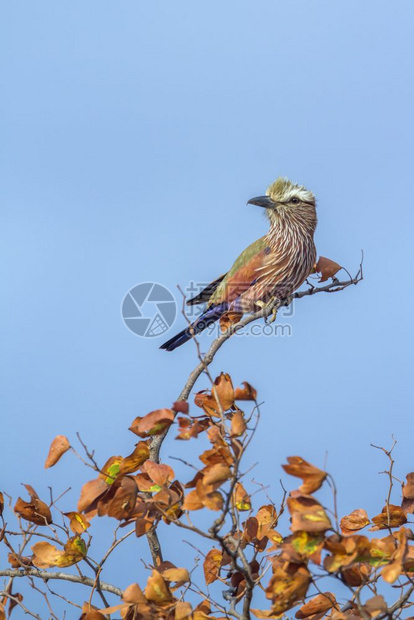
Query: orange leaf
[
  {"x": 34, "y": 511},
  {"x": 288, "y": 585},
  {"x": 159, "y": 473},
  {"x": 241, "y": 498},
  {"x": 58, "y": 447},
  {"x": 247, "y": 392},
  {"x": 46, "y": 555},
  {"x": 177, "y": 575},
  {"x": 238, "y": 424},
  {"x": 327, "y": 268},
  {"x": 154, "y": 423},
  {"x": 192, "y": 501},
  {"x": 134, "y": 595},
  {"x": 220, "y": 399},
  {"x": 266, "y": 519},
  {"x": 90, "y": 492},
  {"x": 211, "y": 565},
  {"x": 78, "y": 524},
  {"x": 395, "y": 568},
  {"x": 263, "y": 614},
  {"x": 120, "y": 499},
  {"x": 312, "y": 476},
  {"x": 157, "y": 590},
  {"x": 391, "y": 516},
  {"x": 408, "y": 495},
  {"x": 354, "y": 521},
  {"x": 355, "y": 576},
  {"x": 319, "y": 604},
  {"x": 376, "y": 605},
  {"x": 307, "y": 514},
  {"x": 216, "y": 474},
  {"x": 182, "y": 611},
  {"x": 134, "y": 461}
]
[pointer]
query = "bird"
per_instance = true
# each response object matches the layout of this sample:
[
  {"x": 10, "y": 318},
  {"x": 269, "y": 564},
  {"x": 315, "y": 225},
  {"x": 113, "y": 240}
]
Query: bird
[{"x": 271, "y": 268}]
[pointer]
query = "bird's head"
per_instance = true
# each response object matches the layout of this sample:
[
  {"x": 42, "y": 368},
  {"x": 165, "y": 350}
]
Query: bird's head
[{"x": 286, "y": 199}]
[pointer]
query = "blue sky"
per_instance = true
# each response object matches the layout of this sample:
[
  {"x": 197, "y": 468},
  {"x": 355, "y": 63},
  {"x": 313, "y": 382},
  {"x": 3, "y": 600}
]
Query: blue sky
[{"x": 133, "y": 135}]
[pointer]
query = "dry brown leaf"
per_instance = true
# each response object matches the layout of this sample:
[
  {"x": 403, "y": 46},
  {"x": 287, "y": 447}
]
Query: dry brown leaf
[
  {"x": 288, "y": 585},
  {"x": 157, "y": 590},
  {"x": 216, "y": 474},
  {"x": 247, "y": 392},
  {"x": 134, "y": 461},
  {"x": 192, "y": 501},
  {"x": 18, "y": 561},
  {"x": 78, "y": 524},
  {"x": 46, "y": 555},
  {"x": 327, "y": 268},
  {"x": 35, "y": 510},
  {"x": 345, "y": 550},
  {"x": 266, "y": 520},
  {"x": 154, "y": 423},
  {"x": 395, "y": 568},
  {"x": 133, "y": 595},
  {"x": 241, "y": 498},
  {"x": 354, "y": 522},
  {"x": 391, "y": 516},
  {"x": 120, "y": 499},
  {"x": 354, "y": 576},
  {"x": 408, "y": 495},
  {"x": 307, "y": 514},
  {"x": 182, "y": 610},
  {"x": 317, "y": 605},
  {"x": 181, "y": 406},
  {"x": 212, "y": 564},
  {"x": 90, "y": 492},
  {"x": 220, "y": 399},
  {"x": 178, "y": 575},
  {"x": 375, "y": 606},
  {"x": 312, "y": 476},
  {"x": 159, "y": 473},
  {"x": 58, "y": 447},
  {"x": 238, "y": 424},
  {"x": 202, "y": 611}
]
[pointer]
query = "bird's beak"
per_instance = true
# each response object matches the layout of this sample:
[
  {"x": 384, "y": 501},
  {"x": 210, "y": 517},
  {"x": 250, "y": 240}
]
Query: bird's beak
[{"x": 262, "y": 201}]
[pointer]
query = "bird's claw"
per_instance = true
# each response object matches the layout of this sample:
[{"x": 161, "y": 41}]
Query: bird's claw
[{"x": 270, "y": 317}]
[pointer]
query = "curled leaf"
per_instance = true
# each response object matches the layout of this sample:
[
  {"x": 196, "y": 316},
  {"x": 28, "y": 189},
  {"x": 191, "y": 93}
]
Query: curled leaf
[
  {"x": 247, "y": 392},
  {"x": 353, "y": 522},
  {"x": 317, "y": 605},
  {"x": 58, "y": 447},
  {"x": 154, "y": 423},
  {"x": 35, "y": 510},
  {"x": 46, "y": 555},
  {"x": 78, "y": 524},
  {"x": 312, "y": 476},
  {"x": 327, "y": 268},
  {"x": 391, "y": 516}
]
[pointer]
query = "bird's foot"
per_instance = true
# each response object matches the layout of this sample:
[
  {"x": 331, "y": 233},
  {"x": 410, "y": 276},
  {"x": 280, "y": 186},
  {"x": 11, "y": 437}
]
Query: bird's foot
[{"x": 270, "y": 309}]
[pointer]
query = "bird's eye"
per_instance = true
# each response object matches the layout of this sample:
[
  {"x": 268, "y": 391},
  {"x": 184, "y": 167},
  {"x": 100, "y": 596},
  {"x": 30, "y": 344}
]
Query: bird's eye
[{"x": 294, "y": 200}]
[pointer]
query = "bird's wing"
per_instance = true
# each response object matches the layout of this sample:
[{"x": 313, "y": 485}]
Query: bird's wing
[
  {"x": 243, "y": 274},
  {"x": 206, "y": 293}
]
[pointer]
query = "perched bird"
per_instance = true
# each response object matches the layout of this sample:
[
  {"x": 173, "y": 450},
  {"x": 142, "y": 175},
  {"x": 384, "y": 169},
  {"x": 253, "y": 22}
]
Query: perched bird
[{"x": 272, "y": 267}]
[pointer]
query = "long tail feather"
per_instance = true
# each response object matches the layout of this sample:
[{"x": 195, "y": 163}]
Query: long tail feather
[{"x": 208, "y": 317}]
